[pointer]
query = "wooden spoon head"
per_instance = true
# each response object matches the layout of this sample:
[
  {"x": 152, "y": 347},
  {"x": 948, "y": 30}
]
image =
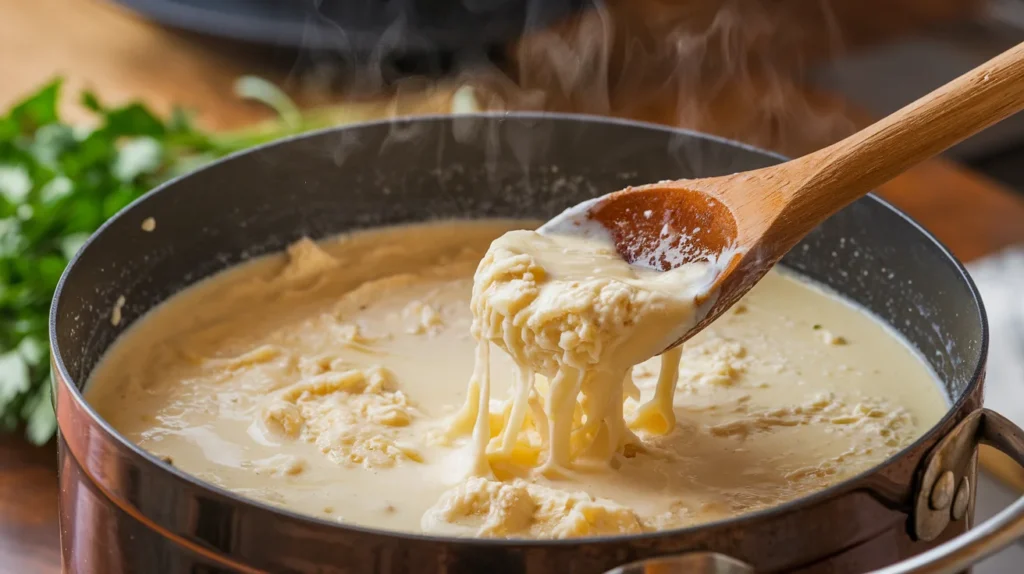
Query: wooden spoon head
[{"x": 666, "y": 225}]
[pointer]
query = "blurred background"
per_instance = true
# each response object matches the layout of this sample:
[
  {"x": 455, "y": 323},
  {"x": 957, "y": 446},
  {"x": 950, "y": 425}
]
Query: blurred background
[
  {"x": 194, "y": 79},
  {"x": 783, "y": 74}
]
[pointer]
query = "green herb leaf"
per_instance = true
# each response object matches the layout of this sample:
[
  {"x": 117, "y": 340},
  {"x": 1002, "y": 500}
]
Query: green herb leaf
[
  {"x": 41, "y": 421},
  {"x": 38, "y": 109},
  {"x": 15, "y": 183},
  {"x": 70, "y": 244},
  {"x": 14, "y": 376},
  {"x": 50, "y": 142},
  {"x": 260, "y": 90},
  {"x": 91, "y": 102},
  {"x": 132, "y": 120},
  {"x": 136, "y": 157}
]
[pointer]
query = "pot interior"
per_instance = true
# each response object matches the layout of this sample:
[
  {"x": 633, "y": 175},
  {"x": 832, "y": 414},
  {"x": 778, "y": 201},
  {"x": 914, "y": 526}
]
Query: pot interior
[{"x": 508, "y": 166}]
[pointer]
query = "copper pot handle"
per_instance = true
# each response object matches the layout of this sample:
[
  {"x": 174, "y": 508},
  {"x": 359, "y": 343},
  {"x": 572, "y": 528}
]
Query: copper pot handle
[
  {"x": 941, "y": 498},
  {"x": 938, "y": 502}
]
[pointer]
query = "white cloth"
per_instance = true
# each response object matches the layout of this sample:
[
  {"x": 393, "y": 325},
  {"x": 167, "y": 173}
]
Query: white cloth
[{"x": 1000, "y": 278}]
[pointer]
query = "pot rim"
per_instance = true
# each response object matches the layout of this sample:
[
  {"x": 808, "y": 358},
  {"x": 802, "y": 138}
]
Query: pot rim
[{"x": 796, "y": 504}]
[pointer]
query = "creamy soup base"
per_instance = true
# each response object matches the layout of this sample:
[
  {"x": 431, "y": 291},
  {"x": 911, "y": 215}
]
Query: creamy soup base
[{"x": 334, "y": 380}]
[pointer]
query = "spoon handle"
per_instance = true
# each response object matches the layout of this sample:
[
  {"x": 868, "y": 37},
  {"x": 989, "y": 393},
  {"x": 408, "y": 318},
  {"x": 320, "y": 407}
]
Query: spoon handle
[{"x": 835, "y": 176}]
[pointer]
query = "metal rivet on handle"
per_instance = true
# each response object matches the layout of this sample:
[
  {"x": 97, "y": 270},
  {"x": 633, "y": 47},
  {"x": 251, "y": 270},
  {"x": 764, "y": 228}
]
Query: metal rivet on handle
[
  {"x": 942, "y": 492},
  {"x": 962, "y": 499}
]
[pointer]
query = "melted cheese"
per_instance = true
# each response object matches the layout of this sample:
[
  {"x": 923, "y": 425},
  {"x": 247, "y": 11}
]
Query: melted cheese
[{"x": 570, "y": 309}]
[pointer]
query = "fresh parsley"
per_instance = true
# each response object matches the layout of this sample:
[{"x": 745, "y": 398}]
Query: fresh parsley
[{"x": 59, "y": 183}]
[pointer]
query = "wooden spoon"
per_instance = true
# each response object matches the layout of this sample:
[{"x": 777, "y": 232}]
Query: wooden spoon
[{"x": 749, "y": 220}]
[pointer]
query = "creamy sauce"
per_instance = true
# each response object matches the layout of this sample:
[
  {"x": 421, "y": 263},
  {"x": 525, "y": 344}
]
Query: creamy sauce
[{"x": 329, "y": 380}]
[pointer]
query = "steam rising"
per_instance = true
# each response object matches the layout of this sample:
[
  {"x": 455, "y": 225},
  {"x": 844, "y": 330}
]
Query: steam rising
[{"x": 729, "y": 67}]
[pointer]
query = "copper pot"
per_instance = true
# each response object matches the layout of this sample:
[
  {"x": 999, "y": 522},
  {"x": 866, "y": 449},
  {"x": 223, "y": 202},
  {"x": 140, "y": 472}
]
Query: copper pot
[{"x": 124, "y": 510}]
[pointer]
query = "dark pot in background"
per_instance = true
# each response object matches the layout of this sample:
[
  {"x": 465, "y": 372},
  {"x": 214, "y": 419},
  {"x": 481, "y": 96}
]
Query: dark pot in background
[
  {"x": 362, "y": 26},
  {"x": 358, "y": 43},
  {"x": 123, "y": 510}
]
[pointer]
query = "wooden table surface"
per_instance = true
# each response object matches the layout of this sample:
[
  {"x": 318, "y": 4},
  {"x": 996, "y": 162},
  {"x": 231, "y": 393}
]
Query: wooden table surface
[{"x": 93, "y": 44}]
